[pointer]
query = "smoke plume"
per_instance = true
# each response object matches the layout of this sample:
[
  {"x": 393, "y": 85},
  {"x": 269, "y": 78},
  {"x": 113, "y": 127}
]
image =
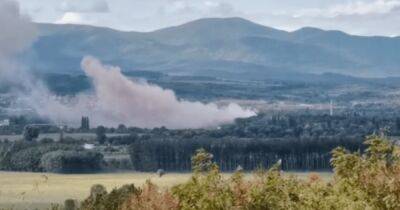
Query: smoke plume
[
  {"x": 17, "y": 34},
  {"x": 117, "y": 99}
]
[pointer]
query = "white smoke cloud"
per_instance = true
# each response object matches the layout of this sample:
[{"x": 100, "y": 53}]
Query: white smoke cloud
[
  {"x": 117, "y": 99},
  {"x": 16, "y": 35}
]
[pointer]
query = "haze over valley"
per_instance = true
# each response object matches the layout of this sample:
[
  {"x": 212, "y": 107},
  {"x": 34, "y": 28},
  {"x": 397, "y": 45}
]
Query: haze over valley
[
  {"x": 306, "y": 66},
  {"x": 216, "y": 112}
]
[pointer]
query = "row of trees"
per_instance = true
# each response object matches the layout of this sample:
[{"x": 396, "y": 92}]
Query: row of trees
[
  {"x": 71, "y": 161},
  {"x": 301, "y": 141},
  {"x": 174, "y": 154}
]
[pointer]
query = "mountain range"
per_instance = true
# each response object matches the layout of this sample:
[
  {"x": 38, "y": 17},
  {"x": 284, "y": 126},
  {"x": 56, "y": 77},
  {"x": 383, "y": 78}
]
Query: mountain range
[{"x": 220, "y": 47}]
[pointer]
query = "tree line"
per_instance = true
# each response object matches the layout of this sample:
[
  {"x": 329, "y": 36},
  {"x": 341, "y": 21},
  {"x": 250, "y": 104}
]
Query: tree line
[
  {"x": 174, "y": 154},
  {"x": 302, "y": 141}
]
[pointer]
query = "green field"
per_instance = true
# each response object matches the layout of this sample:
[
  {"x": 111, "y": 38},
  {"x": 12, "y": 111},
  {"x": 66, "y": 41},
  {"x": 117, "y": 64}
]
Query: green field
[{"x": 39, "y": 190}]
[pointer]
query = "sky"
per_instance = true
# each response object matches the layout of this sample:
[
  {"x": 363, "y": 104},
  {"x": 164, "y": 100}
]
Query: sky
[{"x": 360, "y": 17}]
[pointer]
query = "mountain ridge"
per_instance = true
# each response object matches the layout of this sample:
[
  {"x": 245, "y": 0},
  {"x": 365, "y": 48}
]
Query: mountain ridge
[{"x": 224, "y": 45}]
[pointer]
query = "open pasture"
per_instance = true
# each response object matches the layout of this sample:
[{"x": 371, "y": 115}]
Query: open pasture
[{"x": 39, "y": 190}]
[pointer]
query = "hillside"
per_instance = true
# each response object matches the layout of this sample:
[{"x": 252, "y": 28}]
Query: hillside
[{"x": 231, "y": 47}]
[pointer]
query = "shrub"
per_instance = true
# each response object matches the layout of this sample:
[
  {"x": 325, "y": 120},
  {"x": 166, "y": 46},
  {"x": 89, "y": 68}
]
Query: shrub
[
  {"x": 372, "y": 180},
  {"x": 8, "y": 149},
  {"x": 151, "y": 197},
  {"x": 70, "y": 204},
  {"x": 202, "y": 161},
  {"x": 99, "y": 199},
  {"x": 28, "y": 159},
  {"x": 361, "y": 181},
  {"x": 31, "y": 133},
  {"x": 206, "y": 189}
]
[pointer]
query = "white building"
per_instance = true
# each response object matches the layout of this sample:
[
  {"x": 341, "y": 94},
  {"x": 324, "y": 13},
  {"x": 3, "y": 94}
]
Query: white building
[{"x": 4, "y": 122}]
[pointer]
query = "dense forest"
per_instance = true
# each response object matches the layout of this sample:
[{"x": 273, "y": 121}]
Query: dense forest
[
  {"x": 173, "y": 154},
  {"x": 302, "y": 141}
]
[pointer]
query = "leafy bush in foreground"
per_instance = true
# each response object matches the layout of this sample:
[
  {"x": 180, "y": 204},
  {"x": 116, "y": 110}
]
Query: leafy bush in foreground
[
  {"x": 99, "y": 199},
  {"x": 361, "y": 181}
]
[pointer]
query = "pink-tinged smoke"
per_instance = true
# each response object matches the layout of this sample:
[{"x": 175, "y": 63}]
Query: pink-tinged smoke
[{"x": 117, "y": 99}]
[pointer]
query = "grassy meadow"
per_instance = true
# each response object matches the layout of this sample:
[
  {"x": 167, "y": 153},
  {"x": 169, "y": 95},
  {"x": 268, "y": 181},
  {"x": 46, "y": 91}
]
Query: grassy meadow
[{"x": 39, "y": 190}]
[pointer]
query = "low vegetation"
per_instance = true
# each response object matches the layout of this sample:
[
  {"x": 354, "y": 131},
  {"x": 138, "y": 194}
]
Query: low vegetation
[
  {"x": 368, "y": 180},
  {"x": 300, "y": 141},
  {"x": 48, "y": 156}
]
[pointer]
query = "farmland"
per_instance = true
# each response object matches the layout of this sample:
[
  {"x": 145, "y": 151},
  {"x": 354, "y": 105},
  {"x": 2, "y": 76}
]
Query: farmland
[{"x": 40, "y": 190}]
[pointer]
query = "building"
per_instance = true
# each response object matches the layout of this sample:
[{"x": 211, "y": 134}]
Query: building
[
  {"x": 5, "y": 122},
  {"x": 85, "y": 125}
]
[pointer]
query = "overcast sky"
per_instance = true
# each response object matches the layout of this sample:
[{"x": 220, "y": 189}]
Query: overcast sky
[{"x": 364, "y": 17}]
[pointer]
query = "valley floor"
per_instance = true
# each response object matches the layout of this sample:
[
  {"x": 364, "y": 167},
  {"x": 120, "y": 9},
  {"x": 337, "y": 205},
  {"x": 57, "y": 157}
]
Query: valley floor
[{"x": 40, "y": 190}]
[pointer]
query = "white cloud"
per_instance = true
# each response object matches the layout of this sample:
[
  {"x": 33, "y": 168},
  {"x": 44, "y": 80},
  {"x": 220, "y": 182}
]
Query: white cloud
[
  {"x": 364, "y": 17},
  {"x": 197, "y": 8},
  {"x": 71, "y": 18},
  {"x": 87, "y": 6},
  {"x": 352, "y": 8}
]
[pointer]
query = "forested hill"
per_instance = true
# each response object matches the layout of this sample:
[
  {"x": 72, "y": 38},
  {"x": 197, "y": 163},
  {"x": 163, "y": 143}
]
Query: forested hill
[{"x": 215, "y": 47}]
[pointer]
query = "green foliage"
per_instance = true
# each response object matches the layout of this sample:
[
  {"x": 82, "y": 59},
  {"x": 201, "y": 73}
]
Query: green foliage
[
  {"x": 301, "y": 141},
  {"x": 369, "y": 180},
  {"x": 27, "y": 158},
  {"x": 48, "y": 156},
  {"x": 99, "y": 199},
  {"x": 31, "y": 133},
  {"x": 208, "y": 192},
  {"x": 101, "y": 134},
  {"x": 372, "y": 180},
  {"x": 202, "y": 161},
  {"x": 70, "y": 204},
  {"x": 172, "y": 152},
  {"x": 71, "y": 161}
]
